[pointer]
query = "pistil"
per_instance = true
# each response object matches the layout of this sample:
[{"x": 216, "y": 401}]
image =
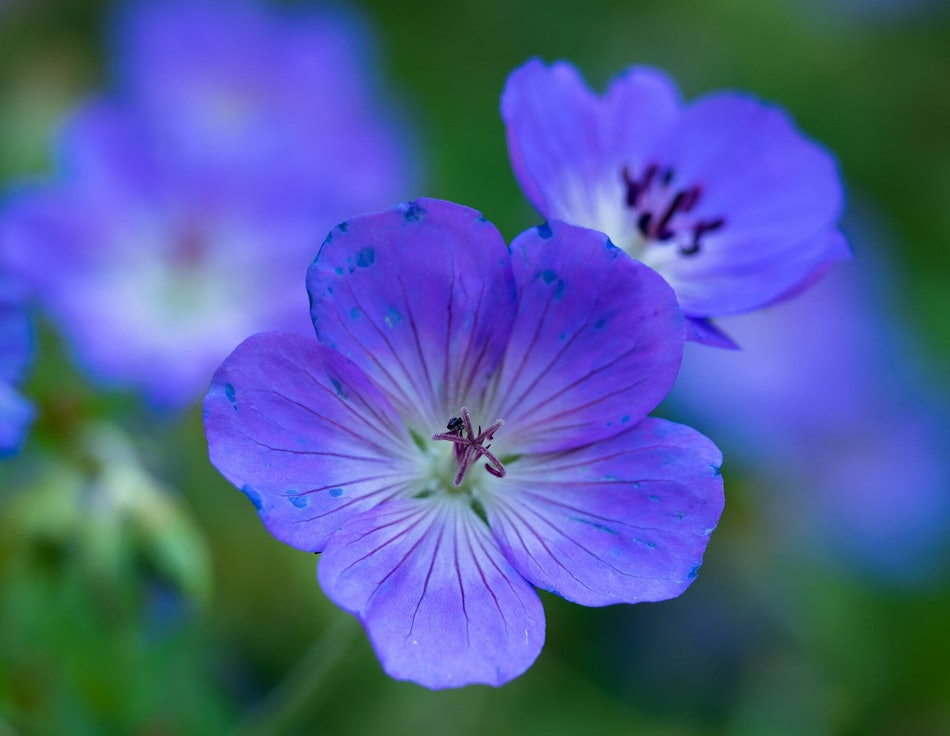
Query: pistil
[{"x": 470, "y": 445}]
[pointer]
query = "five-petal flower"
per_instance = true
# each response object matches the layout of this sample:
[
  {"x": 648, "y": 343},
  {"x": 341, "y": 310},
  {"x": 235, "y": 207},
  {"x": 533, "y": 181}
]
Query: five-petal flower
[
  {"x": 722, "y": 196},
  {"x": 471, "y": 423},
  {"x": 186, "y": 206}
]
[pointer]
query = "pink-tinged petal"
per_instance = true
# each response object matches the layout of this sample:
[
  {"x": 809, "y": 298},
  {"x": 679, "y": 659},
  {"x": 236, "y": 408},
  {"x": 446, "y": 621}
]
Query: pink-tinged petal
[
  {"x": 422, "y": 297},
  {"x": 441, "y": 604},
  {"x": 620, "y": 521},
  {"x": 568, "y": 147},
  {"x": 305, "y": 435},
  {"x": 596, "y": 345}
]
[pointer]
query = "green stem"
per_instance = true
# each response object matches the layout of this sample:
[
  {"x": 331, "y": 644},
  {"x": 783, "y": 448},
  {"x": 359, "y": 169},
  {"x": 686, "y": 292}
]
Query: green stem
[{"x": 300, "y": 690}]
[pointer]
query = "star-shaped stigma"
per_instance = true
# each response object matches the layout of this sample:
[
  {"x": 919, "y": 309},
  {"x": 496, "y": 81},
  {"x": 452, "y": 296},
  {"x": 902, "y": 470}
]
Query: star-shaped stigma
[{"x": 470, "y": 445}]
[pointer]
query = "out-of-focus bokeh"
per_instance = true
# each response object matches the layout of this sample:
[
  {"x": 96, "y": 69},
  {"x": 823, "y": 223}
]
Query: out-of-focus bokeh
[{"x": 139, "y": 592}]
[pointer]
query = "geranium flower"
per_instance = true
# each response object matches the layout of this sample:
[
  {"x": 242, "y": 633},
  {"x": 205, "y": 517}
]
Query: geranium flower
[
  {"x": 471, "y": 423},
  {"x": 16, "y": 343},
  {"x": 831, "y": 423},
  {"x": 180, "y": 217},
  {"x": 722, "y": 196}
]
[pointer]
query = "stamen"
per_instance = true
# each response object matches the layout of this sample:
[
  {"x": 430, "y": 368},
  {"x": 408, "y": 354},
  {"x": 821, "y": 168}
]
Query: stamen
[
  {"x": 702, "y": 227},
  {"x": 471, "y": 445},
  {"x": 662, "y": 218},
  {"x": 636, "y": 188}
]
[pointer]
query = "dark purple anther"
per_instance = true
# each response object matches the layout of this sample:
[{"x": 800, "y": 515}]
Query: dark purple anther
[
  {"x": 655, "y": 221},
  {"x": 634, "y": 187},
  {"x": 701, "y": 227}
]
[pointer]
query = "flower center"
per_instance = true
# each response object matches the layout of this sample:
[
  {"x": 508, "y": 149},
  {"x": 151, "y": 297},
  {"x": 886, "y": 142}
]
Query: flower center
[
  {"x": 663, "y": 210},
  {"x": 470, "y": 445},
  {"x": 190, "y": 246}
]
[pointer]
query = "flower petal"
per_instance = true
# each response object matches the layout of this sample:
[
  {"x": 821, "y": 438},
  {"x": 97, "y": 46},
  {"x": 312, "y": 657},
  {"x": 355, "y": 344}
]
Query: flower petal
[
  {"x": 621, "y": 521},
  {"x": 596, "y": 345},
  {"x": 568, "y": 146},
  {"x": 706, "y": 333},
  {"x": 778, "y": 193},
  {"x": 441, "y": 604},
  {"x": 305, "y": 435},
  {"x": 16, "y": 413},
  {"x": 730, "y": 280},
  {"x": 422, "y": 297}
]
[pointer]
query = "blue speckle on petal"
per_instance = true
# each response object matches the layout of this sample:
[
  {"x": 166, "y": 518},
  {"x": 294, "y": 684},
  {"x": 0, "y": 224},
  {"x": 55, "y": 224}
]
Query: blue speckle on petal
[
  {"x": 392, "y": 318},
  {"x": 338, "y": 387},
  {"x": 254, "y": 496},
  {"x": 336, "y": 492},
  {"x": 716, "y": 470},
  {"x": 339, "y": 271},
  {"x": 298, "y": 500},
  {"x": 355, "y": 312},
  {"x": 599, "y": 324},
  {"x": 655, "y": 499},
  {"x": 597, "y": 525},
  {"x": 693, "y": 572},
  {"x": 548, "y": 276},
  {"x": 625, "y": 418},
  {"x": 413, "y": 212},
  {"x": 365, "y": 257},
  {"x": 545, "y": 231},
  {"x": 229, "y": 392},
  {"x": 343, "y": 226},
  {"x": 559, "y": 291}
]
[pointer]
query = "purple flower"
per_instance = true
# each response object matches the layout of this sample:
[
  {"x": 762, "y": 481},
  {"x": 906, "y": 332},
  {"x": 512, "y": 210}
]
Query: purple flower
[
  {"x": 280, "y": 91},
  {"x": 165, "y": 240},
  {"x": 722, "y": 196},
  {"x": 471, "y": 424},
  {"x": 848, "y": 443},
  {"x": 15, "y": 348}
]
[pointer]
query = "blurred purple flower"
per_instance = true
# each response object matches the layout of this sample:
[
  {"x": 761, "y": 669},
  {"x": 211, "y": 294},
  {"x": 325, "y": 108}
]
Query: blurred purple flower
[
  {"x": 187, "y": 206},
  {"x": 15, "y": 347},
  {"x": 442, "y": 352},
  {"x": 838, "y": 422},
  {"x": 722, "y": 196}
]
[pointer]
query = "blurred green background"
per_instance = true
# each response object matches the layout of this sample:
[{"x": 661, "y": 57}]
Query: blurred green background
[{"x": 151, "y": 601}]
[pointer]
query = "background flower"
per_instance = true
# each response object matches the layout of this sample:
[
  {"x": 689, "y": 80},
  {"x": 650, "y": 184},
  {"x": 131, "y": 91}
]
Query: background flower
[
  {"x": 847, "y": 435},
  {"x": 583, "y": 496},
  {"x": 16, "y": 342},
  {"x": 723, "y": 196},
  {"x": 186, "y": 205}
]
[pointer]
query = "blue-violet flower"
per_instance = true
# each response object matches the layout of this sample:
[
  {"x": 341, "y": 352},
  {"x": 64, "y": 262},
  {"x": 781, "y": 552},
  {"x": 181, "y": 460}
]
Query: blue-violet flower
[
  {"x": 722, "y": 196},
  {"x": 186, "y": 206},
  {"x": 16, "y": 342},
  {"x": 834, "y": 421},
  {"x": 471, "y": 423}
]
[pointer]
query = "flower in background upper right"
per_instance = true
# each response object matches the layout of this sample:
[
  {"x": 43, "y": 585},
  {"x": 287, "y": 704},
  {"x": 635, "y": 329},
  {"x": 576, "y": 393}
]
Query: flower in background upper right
[{"x": 723, "y": 196}]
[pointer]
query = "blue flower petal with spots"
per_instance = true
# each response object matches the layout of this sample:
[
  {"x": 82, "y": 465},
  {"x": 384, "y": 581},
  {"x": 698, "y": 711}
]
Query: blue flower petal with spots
[{"x": 471, "y": 424}]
